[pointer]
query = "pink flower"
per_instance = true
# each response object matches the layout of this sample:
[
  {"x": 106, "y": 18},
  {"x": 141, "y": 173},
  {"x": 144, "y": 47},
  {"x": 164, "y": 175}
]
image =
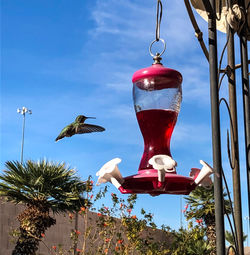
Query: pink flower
[
  {"x": 77, "y": 232},
  {"x": 54, "y": 247},
  {"x": 129, "y": 210},
  {"x": 199, "y": 221}
]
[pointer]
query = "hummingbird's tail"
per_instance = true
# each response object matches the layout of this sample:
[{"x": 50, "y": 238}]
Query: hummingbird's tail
[{"x": 58, "y": 138}]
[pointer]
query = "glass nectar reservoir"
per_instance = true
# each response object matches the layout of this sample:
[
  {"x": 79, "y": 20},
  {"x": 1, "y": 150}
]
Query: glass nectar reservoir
[{"x": 157, "y": 96}]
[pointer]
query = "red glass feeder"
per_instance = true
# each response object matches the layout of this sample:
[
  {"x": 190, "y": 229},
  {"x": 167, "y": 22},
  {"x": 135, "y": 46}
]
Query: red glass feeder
[{"x": 157, "y": 97}]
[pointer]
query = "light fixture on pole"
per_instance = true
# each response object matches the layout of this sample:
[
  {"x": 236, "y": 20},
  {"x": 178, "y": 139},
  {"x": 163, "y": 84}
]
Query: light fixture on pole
[{"x": 23, "y": 111}]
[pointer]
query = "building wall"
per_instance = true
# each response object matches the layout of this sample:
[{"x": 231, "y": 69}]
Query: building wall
[{"x": 59, "y": 234}]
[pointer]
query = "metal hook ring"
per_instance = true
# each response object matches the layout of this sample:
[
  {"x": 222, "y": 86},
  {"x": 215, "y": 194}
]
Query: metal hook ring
[{"x": 150, "y": 48}]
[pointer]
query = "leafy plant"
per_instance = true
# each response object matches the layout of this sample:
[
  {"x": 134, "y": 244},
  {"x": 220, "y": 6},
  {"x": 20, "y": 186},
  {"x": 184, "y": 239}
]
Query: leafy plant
[
  {"x": 190, "y": 241},
  {"x": 201, "y": 206},
  {"x": 229, "y": 237},
  {"x": 115, "y": 230},
  {"x": 43, "y": 187}
]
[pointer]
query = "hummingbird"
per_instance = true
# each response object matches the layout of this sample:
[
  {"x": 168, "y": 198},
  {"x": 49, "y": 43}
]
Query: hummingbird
[{"x": 79, "y": 127}]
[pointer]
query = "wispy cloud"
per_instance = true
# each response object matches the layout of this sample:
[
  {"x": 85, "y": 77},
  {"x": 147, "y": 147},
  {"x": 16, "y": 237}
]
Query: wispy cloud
[
  {"x": 184, "y": 133},
  {"x": 115, "y": 17},
  {"x": 133, "y": 24},
  {"x": 195, "y": 85}
]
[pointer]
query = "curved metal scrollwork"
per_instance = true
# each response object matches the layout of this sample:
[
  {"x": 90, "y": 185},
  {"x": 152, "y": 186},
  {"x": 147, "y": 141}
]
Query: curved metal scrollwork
[
  {"x": 234, "y": 233},
  {"x": 197, "y": 30},
  {"x": 214, "y": 11},
  {"x": 232, "y": 161},
  {"x": 231, "y": 248},
  {"x": 232, "y": 164}
]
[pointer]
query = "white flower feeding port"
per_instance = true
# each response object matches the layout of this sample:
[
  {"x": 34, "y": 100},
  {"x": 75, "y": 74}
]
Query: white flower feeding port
[
  {"x": 110, "y": 173},
  {"x": 155, "y": 181}
]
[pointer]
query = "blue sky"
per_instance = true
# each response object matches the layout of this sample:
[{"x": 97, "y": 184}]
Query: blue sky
[{"x": 65, "y": 58}]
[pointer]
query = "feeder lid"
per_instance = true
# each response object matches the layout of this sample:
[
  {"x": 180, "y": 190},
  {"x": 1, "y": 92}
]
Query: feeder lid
[{"x": 158, "y": 70}]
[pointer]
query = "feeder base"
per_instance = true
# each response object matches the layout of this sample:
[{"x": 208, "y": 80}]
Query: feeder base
[{"x": 146, "y": 182}]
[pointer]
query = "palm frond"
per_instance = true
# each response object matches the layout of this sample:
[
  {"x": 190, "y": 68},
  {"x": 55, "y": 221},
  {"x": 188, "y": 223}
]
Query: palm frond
[
  {"x": 45, "y": 182},
  {"x": 201, "y": 204}
]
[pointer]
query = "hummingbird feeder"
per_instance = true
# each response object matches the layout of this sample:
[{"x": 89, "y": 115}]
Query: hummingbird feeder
[{"x": 157, "y": 95}]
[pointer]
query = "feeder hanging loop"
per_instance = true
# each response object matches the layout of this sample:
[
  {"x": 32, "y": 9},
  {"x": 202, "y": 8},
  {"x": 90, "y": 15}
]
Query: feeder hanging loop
[
  {"x": 157, "y": 56},
  {"x": 158, "y": 20}
]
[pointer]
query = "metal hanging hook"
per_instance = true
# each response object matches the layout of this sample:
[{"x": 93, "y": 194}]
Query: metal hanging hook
[
  {"x": 157, "y": 56},
  {"x": 158, "y": 20}
]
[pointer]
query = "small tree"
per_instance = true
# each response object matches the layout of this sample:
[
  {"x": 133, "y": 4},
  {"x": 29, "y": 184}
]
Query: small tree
[
  {"x": 230, "y": 238},
  {"x": 190, "y": 241},
  {"x": 201, "y": 206},
  {"x": 42, "y": 186},
  {"x": 114, "y": 230}
]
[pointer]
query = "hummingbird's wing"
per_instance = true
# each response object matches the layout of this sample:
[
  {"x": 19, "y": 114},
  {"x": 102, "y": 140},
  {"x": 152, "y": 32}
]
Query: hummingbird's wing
[
  {"x": 88, "y": 128},
  {"x": 67, "y": 131}
]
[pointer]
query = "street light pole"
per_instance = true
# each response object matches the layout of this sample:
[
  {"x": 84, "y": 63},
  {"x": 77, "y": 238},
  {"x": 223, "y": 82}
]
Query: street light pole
[
  {"x": 181, "y": 213},
  {"x": 23, "y": 111}
]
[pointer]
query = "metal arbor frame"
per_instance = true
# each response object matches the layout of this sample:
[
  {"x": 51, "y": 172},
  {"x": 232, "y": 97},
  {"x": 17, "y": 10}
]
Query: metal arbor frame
[{"x": 233, "y": 146}]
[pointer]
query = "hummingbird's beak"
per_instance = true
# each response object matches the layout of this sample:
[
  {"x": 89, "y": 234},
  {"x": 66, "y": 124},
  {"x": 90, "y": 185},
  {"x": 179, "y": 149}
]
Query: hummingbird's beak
[{"x": 90, "y": 118}]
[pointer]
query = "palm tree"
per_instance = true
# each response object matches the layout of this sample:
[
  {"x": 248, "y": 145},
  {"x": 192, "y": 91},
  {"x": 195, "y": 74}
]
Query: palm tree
[
  {"x": 202, "y": 208},
  {"x": 189, "y": 241},
  {"x": 230, "y": 238},
  {"x": 43, "y": 187}
]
